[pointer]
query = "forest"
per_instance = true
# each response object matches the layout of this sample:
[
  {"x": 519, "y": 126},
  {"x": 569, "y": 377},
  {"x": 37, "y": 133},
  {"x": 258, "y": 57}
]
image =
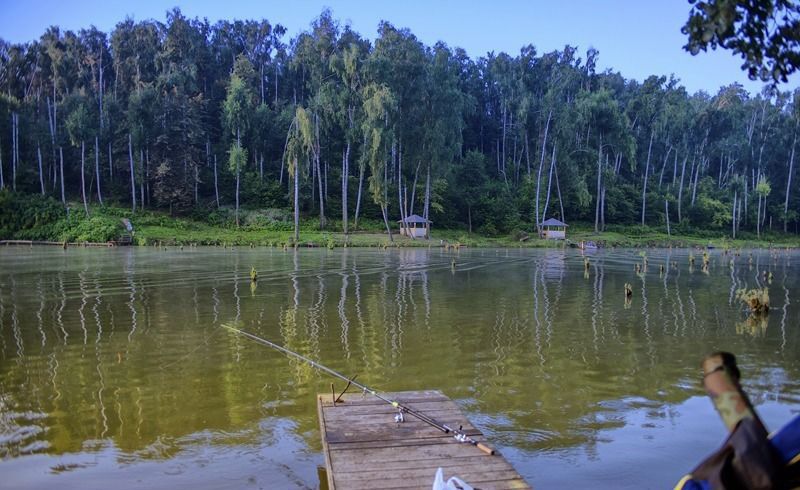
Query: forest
[{"x": 211, "y": 121}]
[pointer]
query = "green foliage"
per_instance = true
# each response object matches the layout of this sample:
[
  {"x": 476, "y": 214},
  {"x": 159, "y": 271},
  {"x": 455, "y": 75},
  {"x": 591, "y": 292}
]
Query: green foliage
[
  {"x": 709, "y": 212},
  {"x": 237, "y": 158},
  {"x": 237, "y": 106},
  {"x": 28, "y": 216},
  {"x": 32, "y": 217},
  {"x": 765, "y": 33},
  {"x": 78, "y": 124},
  {"x": 97, "y": 229},
  {"x": 299, "y": 143},
  {"x": 379, "y": 103},
  {"x": 267, "y": 219},
  {"x": 266, "y": 194},
  {"x": 188, "y": 93},
  {"x": 762, "y": 187}
]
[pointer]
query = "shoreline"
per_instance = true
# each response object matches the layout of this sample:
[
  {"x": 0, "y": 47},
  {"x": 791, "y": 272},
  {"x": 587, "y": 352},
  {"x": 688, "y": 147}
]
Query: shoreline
[
  {"x": 446, "y": 239},
  {"x": 106, "y": 226}
]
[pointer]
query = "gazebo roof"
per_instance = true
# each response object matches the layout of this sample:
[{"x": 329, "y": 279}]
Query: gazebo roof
[
  {"x": 553, "y": 222},
  {"x": 414, "y": 218}
]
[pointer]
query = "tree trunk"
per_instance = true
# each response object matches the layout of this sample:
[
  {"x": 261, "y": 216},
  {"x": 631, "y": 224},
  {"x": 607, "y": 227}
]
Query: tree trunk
[
  {"x": 345, "y": 176},
  {"x": 497, "y": 154},
  {"x": 400, "y": 206},
  {"x": 502, "y": 163},
  {"x": 558, "y": 190},
  {"x": 789, "y": 182},
  {"x": 296, "y": 203},
  {"x": 133, "y": 180},
  {"x": 262, "y": 82},
  {"x": 469, "y": 218},
  {"x": 216, "y": 186},
  {"x": 739, "y": 216},
  {"x": 603, "y": 209},
  {"x": 646, "y": 170},
  {"x": 758, "y": 218},
  {"x": 100, "y": 89},
  {"x": 83, "y": 178},
  {"x": 110, "y": 164},
  {"x": 680, "y": 186},
  {"x": 143, "y": 180},
  {"x": 238, "y": 171},
  {"x": 427, "y": 207},
  {"x": 539, "y": 173},
  {"x": 51, "y": 126},
  {"x": 597, "y": 196},
  {"x": 319, "y": 177},
  {"x": 97, "y": 168},
  {"x": 414, "y": 189},
  {"x": 733, "y": 217},
  {"x": 527, "y": 153},
  {"x": 675, "y": 167},
  {"x": 549, "y": 183},
  {"x": 666, "y": 216},
  {"x": 61, "y": 167},
  {"x": 146, "y": 179},
  {"x": 744, "y": 203},
  {"x": 358, "y": 197},
  {"x": 663, "y": 167},
  {"x": 2, "y": 182},
  {"x": 19, "y": 160},
  {"x": 41, "y": 173},
  {"x": 385, "y": 214},
  {"x": 700, "y": 166},
  {"x": 237, "y": 196},
  {"x": 14, "y": 151}
]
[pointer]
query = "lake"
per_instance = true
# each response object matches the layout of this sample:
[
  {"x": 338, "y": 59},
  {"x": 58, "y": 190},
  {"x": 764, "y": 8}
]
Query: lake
[{"x": 114, "y": 368}]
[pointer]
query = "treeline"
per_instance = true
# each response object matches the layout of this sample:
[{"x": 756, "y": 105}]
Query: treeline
[{"x": 189, "y": 116}]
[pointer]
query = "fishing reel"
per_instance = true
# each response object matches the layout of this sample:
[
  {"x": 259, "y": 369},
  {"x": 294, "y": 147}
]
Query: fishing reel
[
  {"x": 398, "y": 417},
  {"x": 460, "y": 436}
]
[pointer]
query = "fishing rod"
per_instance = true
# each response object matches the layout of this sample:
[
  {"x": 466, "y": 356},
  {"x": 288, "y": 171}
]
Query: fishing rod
[{"x": 458, "y": 434}]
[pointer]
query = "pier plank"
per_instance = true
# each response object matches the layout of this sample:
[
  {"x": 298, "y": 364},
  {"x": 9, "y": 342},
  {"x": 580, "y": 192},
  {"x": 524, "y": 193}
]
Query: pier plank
[{"x": 365, "y": 448}]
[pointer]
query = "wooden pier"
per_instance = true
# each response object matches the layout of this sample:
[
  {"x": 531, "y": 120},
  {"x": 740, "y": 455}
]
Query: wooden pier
[{"x": 366, "y": 449}]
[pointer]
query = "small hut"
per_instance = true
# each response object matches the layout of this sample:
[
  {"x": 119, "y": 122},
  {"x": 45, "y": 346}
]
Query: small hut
[
  {"x": 554, "y": 229},
  {"x": 415, "y": 226}
]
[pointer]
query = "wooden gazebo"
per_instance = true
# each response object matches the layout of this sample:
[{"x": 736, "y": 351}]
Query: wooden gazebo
[
  {"x": 554, "y": 229},
  {"x": 415, "y": 226}
]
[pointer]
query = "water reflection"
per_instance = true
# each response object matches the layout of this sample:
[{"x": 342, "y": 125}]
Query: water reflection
[{"x": 117, "y": 355}]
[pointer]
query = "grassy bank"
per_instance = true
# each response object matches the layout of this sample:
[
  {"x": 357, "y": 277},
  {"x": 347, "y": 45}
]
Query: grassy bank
[
  {"x": 36, "y": 218},
  {"x": 636, "y": 236},
  {"x": 372, "y": 234}
]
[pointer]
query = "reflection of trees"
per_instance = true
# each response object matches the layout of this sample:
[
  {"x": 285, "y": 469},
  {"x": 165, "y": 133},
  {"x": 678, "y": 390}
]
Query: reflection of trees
[
  {"x": 344, "y": 322},
  {"x": 785, "y": 310},
  {"x": 289, "y": 326},
  {"x": 544, "y": 356}
]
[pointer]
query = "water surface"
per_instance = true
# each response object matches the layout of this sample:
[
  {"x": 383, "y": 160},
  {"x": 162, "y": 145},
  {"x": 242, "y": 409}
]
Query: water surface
[{"x": 114, "y": 368}]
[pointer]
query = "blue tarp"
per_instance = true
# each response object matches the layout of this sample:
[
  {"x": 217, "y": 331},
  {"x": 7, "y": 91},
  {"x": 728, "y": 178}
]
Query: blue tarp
[{"x": 786, "y": 443}]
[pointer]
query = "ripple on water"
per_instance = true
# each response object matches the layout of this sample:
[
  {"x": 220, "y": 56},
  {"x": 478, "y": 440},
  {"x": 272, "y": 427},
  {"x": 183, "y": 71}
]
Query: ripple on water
[
  {"x": 123, "y": 350},
  {"x": 21, "y": 432}
]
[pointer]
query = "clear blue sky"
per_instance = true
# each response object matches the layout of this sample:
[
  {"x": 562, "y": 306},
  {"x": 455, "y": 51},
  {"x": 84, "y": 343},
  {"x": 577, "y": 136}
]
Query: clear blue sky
[{"x": 635, "y": 37}]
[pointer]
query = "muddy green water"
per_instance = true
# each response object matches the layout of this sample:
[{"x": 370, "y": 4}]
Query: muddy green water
[{"x": 114, "y": 371}]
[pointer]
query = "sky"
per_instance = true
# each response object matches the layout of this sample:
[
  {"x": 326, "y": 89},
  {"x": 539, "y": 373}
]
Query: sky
[{"x": 637, "y": 38}]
